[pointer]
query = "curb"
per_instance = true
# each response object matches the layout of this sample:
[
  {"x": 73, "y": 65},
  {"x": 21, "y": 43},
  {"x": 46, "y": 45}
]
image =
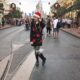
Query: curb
[
  {"x": 5, "y": 71},
  {"x": 24, "y": 73},
  {"x": 71, "y": 33},
  {"x": 9, "y": 26},
  {"x": 3, "y": 67}
]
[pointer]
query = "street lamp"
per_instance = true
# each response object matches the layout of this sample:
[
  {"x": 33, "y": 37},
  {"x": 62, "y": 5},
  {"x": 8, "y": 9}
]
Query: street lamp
[
  {"x": 1, "y": 7},
  {"x": 49, "y": 3},
  {"x": 13, "y": 6}
]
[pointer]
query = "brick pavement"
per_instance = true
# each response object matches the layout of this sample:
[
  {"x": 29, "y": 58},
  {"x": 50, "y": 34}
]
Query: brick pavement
[
  {"x": 73, "y": 31},
  {"x": 4, "y": 27}
]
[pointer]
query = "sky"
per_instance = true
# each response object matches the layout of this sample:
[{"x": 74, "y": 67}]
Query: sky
[{"x": 28, "y": 6}]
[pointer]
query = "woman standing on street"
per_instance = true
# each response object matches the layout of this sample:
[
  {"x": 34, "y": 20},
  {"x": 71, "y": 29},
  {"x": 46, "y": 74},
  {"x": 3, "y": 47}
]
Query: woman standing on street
[
  {"x": 37, "y": 26},
  {"x": 55, "y": 30},
  {"x": 48, "y": 26}
]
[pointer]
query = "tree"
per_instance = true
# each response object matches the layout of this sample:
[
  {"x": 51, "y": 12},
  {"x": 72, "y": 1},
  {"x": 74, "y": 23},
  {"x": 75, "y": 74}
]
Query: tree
[
  {"x": 1, "y": 8},
  {"x": 75, "y": 6},
  {"x": 77, "y": 2},
  {"x": 15, "y": 14},
  {"x": 61, "y": 11}
]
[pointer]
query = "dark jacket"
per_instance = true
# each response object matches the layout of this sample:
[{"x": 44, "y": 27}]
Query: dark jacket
[
  {"x": 48, "y": 23},
  {"x": 59, "y": 24},
  {"x": 36, "y": 33}
]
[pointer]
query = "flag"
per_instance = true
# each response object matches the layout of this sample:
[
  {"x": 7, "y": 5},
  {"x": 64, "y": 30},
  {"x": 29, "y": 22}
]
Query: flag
[{"x": 37, "y": 6}]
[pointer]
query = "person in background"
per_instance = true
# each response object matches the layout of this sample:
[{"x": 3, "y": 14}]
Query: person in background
[
  {"x": 27, "y": 24},
  {"x": 55, "y": 30},
  {"x": 48, "y": 26},
  {"x": 3, "y": 21},
  {"x": 59, "y": 25},
  {"x": 36, "y": 40},
  {"x": 0, "y": 22}
]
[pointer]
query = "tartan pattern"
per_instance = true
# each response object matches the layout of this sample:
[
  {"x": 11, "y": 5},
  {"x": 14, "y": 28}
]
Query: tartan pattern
[{"x": 36, "y": 34}]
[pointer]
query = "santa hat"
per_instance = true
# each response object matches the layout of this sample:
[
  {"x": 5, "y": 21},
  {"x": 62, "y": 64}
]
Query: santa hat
[{"x": 37, "y": 14}]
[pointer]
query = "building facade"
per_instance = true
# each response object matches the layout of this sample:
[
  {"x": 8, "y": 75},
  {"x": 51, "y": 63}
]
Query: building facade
[
  {"x": 4, "y": 7},
  {"x": 66, "y": 4}
]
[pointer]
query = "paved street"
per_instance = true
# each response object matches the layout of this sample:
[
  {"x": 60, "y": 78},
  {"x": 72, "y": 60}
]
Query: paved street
[
  {"x": 63, "y": 59},
  {"x": 63, "y": 55},
  {"x": 24, "y": 23},
  {"x": 8, "y": 37},
  {"x": 17, "y": 40}
]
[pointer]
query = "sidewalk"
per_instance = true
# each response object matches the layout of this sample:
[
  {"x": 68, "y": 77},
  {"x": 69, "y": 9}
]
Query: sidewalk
[
  {"x": 62, "y": 63},
  {"x": 4, "y": 27},
  {"x": 74, "y": 31},
  {"x": 3, "y": 65}
]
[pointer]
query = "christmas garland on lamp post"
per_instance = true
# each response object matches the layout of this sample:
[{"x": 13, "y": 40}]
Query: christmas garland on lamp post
[
  {"x": 13, "y": 6},
  {"x": 56, "y": 5}
]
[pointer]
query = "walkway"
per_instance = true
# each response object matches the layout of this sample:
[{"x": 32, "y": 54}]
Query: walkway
[
  {"x": 4, "y": 27},
  {"x": 73, "y": 31}
]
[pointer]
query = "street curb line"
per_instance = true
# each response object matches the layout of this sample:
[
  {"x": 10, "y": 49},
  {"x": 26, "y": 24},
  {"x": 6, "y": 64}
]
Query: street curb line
[
  {"x": 5, "y": 27},
  {"x": 70, "y": 33},
  {"x": 26, "y": 68},
  {"x": 5, "y": 70},
  {"x": 3, "y": 66}
]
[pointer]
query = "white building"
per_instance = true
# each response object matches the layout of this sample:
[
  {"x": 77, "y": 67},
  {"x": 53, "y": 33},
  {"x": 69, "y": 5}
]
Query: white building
[
  {"x": 39, "y": 8},
  {"x": 6, "y": 7}
]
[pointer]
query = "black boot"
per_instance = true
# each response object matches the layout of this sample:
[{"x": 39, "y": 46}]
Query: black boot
[
  {"x": 43, "y": 59},
  {"x": 37, "y": 59}
]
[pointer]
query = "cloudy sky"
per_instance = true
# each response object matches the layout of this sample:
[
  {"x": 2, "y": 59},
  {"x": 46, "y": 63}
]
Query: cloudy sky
[{"x": 28, "y": 6}]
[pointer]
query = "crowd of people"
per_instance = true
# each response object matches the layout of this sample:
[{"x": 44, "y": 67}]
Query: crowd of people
[
  {"x": 11, "y": 21},
  {"x": 50, "y": 25},
  {"x": 53, "y": 24},
  {"x": 59, "y": 22}
]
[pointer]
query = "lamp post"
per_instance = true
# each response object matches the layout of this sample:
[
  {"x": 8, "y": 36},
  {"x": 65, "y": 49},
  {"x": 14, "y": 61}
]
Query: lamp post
[
  {"x": 49, "y": 3},
  {"x": 12, "y": 6}
]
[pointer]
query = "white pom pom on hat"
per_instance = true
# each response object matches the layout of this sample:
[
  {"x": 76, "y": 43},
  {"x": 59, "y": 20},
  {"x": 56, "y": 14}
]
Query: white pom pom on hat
[{"x": 37, "y": 14}]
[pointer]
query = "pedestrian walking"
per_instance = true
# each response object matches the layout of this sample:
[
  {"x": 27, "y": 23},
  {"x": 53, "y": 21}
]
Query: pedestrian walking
[
  {"x": 27, "y": 24},
  {"x": 48, "y": 26},
  {"x": 36, "y": 40},
  {"x": 55, "y": 29},
  {"x": 59, "y": 25},
  {"x": 3, "y": 21}
]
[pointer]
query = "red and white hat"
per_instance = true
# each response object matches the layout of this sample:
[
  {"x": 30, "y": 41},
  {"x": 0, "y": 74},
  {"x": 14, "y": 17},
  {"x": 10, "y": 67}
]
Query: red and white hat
[{"x": 37, "y": 14}]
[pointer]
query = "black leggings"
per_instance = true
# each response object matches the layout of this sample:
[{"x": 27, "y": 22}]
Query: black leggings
[
  {"x": 38, "y": 54},
  {"x": 36, "y": 48},
  {"x": 49, "y": 30}
]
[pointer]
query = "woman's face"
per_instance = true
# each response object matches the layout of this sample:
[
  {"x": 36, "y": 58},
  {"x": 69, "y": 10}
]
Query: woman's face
[{"x": 35, "y": 18}]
